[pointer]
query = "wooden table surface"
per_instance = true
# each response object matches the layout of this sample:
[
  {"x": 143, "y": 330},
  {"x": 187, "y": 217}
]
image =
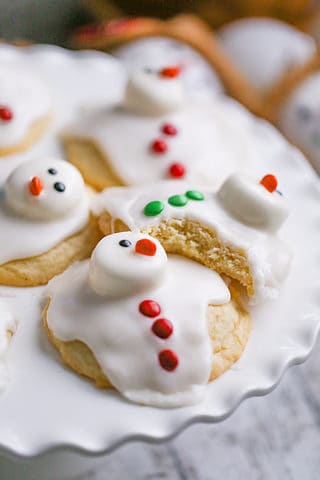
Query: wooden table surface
[{"x": 273, "y": 437}]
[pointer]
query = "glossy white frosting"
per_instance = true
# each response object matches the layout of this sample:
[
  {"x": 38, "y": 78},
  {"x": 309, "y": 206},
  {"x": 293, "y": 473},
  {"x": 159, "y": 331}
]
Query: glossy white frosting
[
  {"x": 149, "y": 93},
  {"x": 117, "y": 270},
  {"x": 31, "y": 225},
  {"x": 268, "y": 256},
  {"x": 28, "y": 99},
  {"x": 251, "y": 203},
  {"x": 7, "y": 324},
  {"x": 300, "y": 115},
  {"x": 264, "y": 49},
  {"x": 208, "y": 143},
  {"x": 121, "y": 337}
]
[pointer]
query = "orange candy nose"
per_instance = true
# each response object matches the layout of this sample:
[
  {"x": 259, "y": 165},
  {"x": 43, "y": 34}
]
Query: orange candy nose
[
  {"x": 146, "y": 247},
  {"x": 170, "y": 72},
  {"x": 35, "y": 186},
  {"x": 269, "y": 182}
]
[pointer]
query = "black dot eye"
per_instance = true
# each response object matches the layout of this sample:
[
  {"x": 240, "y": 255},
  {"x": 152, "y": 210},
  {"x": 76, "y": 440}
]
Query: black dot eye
[
  {"x": 125, "y": 243},
  {"x": 148, "y": 70},
  {"x": 52, "y": 171},
  {"x": 304, "y": 113},
  {"x": 59, "y": 186}
]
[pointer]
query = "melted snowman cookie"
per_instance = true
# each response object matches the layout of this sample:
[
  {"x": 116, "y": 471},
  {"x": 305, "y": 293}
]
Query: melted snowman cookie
[
  {"x": 158, "y": 133},
  {"x": 232, "y": 231},
  {"x": 153, "y": 349},
  {"x": 25, "y": 108},
  {"x": 45, "y": 224}
]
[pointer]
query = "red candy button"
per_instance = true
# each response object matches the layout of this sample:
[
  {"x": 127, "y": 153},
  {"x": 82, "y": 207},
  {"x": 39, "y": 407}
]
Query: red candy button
[
  {"x": 150, "y": 308},
  {"x": 159, "y": 146},
  {"x": 168, "y": 360},
  {"x": 35, "y": 186},
  {"x": 177, "y": 170},
  {"x": 169, "y": 129},
  {"x": 162, "y": 328},
  {"x": 145, "y": 246},
  {"x": 170, "y": 72},
  {"x": 269, "y": 182},
  {"x": 6, "y": 114}
]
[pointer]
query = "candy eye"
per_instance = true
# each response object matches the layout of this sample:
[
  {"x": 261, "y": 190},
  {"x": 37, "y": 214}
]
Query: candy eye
[
  {"x": 304, "y": 113},
  {"x": 125, "y": 243},
  {"x": 59, "y": 186},
  {"x": 52, "y": 171}
]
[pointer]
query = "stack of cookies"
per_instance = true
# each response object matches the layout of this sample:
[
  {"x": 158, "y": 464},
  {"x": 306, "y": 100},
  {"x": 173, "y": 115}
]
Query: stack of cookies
[{"x": 151, "y": 274}]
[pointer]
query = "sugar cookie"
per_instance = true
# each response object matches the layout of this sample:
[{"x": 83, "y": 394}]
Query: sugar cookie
[
  {"x": 45, "y": 222},
  {"x": 25, "y": 109},
  {"x": 232, "y": 231},
  {"x": 155, "y": 349}
]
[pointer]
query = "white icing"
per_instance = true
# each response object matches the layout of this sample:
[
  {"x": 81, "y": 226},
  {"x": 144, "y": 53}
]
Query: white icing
[
  {"x": 299, "y": 117},
  {"x": 27, "y": 98},
  {"x": 252, "y": 203},
  {"x": 7, "y": 325},
  {"x": 197, "y": 75},
  {"x": 50, "y": 203},
  {"x": 265, "y": 49},
  {"x": 117, "y": 270},
  {"x": 149, "y": 93},
  {"x": 268, "y": 256},
  {"x": 33, "y": 225},
  {"x": 121, "y": 338},
  {"x": 209, "y": 143}
]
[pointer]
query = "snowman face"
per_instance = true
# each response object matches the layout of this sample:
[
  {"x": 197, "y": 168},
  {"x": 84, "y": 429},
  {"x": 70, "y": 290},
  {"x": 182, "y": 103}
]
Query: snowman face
[
  {"x": 126, "y": 263},
  {"x": 44, "y": 189},
  {"x": 154, "y": 92},
  {"x": 256, "y": 204},
  {"x": 300, "y": 118},
  {"x": 197, "y": 75}
]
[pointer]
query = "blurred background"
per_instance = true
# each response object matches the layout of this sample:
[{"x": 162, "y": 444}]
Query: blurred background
[{"x": 52, "y": 20}]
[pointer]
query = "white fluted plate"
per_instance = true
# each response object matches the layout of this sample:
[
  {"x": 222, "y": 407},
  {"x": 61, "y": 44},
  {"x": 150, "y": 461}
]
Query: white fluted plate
[{"x": 48, "y": 406}]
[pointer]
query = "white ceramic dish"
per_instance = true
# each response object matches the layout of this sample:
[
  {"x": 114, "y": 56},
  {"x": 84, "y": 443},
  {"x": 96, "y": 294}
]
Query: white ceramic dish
[{"x": 47, "y": 406}]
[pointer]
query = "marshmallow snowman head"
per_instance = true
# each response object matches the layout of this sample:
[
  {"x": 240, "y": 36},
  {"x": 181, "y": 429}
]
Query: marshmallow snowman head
[
  {"x": 154, "y": 93},
  {"x": 300, "y": 117},
  {"x": 44, "y": 189},
  {"x": 256, "y": 204},
  {"x": 126, "y": 263}
]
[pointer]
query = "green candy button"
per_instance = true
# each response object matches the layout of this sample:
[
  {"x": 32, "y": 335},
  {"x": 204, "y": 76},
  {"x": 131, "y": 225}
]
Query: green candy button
[
  {"x": 153, "y": 208},
  {"x": 178, "y": 200},
  {"x": 195, "y": 195}
]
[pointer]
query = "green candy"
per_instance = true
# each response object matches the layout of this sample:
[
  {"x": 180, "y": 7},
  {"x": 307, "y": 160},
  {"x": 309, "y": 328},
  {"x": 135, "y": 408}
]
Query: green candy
[
  {"x": 153, "y": 208},
  {"x": 195, "y": 195},
  {"x": 178, "y": 200}
]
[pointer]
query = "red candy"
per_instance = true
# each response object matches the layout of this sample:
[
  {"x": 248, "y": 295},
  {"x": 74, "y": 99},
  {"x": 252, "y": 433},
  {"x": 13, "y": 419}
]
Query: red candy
[
  {"x": 170, "y": 72},
  {"x": 145, "y": 246},
  {"x": 269, "y": 182},
  {"x": 169, "y": 129},
  {"x": 162, "y": 328},
  {"x": 159, "y": 146},
  {"x": 6, "y": 114},
  {"x": 150, "y": 308},
  {"x": 168, "y": 360},
  {"x": 35, "y": 186},
  {"x": 177, "y": 170}
]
